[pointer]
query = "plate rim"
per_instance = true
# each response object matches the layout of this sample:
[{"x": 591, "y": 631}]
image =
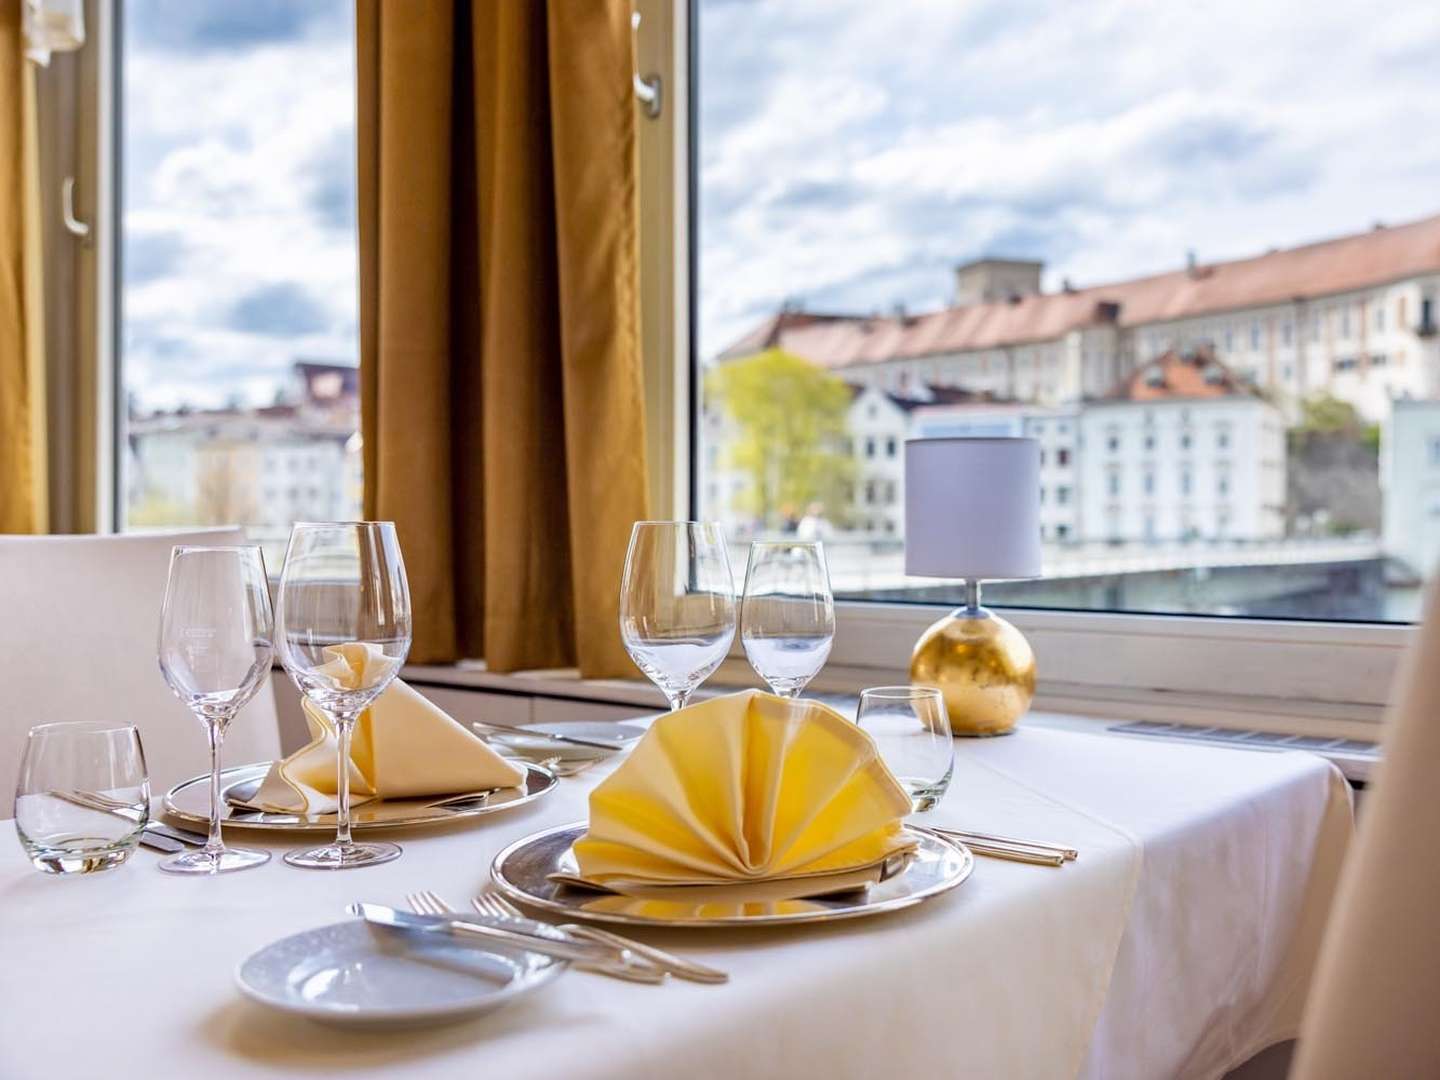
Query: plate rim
[
  {"x": 170, "y": 809},
  {"x": 502, "y": 996},
  {"x": 899, "y": 903}
]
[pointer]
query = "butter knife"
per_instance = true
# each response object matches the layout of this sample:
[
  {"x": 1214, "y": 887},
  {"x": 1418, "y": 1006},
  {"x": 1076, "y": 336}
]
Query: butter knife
[{"x": 482, "y": 728}]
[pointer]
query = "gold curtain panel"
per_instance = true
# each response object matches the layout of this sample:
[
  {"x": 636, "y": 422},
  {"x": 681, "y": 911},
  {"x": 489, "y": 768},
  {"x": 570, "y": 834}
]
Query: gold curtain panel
[
  {"x": 501, "y": 382},
  {"x": 23, "y": 494}
]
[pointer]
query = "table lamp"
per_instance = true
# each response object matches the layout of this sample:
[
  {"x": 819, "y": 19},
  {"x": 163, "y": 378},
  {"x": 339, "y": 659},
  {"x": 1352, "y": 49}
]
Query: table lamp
[{"x": 972, "y": 511}]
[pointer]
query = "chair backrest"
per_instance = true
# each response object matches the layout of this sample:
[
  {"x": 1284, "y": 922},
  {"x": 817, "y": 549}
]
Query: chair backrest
[
  {"x": 1371, "y": 1010},
  {"x": 78, "y": 642}
]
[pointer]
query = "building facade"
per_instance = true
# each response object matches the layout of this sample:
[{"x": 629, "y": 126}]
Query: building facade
[{"x": 1355, "y": 317}]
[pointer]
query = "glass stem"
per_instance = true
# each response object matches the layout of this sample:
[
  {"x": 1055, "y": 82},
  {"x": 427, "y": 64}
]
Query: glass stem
[
  {"x": 680, "y": 700},
  {"x": 215, "y": 730},
  {"x": 343, "y": 727}
]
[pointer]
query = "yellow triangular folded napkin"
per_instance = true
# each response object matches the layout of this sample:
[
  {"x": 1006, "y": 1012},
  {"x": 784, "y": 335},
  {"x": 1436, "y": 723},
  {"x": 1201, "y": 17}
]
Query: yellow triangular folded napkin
[
  {"x": 746, "y": 788},
  {"x": 403, "y": 746}
]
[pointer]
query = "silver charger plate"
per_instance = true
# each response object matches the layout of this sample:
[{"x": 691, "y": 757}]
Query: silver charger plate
[
  {"x": 189, "y": 802},
  {"x": 354, "y": 975},
  {"x": 522, "y": 872}
]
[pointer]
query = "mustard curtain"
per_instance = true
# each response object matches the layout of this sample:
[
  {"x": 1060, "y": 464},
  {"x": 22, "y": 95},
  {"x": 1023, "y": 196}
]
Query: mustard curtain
[
  {"x": 23, "y": 493},
  {"x": 501, "y": 383}
]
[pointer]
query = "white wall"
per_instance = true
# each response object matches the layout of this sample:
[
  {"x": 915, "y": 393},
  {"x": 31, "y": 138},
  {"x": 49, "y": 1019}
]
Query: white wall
[
  {"x": 1410, "y": 477},
  {"x": 1215, "y": 469}
]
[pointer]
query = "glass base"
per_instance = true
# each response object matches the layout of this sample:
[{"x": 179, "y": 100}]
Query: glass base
[
  {"x": 220, "y": 862},
  {"x": 79, "y": 855},
  {"x": 344, "y": 856}
]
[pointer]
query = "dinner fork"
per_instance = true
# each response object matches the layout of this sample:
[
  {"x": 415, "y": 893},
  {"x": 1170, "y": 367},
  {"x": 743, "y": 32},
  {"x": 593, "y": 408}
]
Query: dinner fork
[
  {"x": 498, "y": 907},
  {"x": 626, "y": 965}
]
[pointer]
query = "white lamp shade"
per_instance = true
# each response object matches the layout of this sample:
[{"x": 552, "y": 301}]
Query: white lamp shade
[{"x": 972, "y": 508}]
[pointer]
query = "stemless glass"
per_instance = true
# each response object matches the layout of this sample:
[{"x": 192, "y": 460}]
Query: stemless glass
[
  {"x": 677, "y": 604},
  {"x": 787, "y": 619},
  {"x": 83, "y": 796},
  {"x": 343, "y": 631},
  {"x": 215, "y": 650},
  {"x": 912, "y": 729}
]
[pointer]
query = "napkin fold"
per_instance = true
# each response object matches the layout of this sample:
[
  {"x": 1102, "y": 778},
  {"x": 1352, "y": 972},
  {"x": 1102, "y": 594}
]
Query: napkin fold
[
  {"x": 403, "y": 746},
  {"x": 746, "y": 789}
]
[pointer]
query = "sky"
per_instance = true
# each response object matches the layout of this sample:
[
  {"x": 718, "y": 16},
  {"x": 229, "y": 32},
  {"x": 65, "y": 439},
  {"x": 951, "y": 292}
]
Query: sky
[
  {"x": 238, "y": 148},
  {"x": 851, "y": 152}
]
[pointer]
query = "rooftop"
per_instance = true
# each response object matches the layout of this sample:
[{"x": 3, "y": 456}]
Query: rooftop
[
  {"x": 1331, "y": 266},
  {"x": 1173, "y": 376}
]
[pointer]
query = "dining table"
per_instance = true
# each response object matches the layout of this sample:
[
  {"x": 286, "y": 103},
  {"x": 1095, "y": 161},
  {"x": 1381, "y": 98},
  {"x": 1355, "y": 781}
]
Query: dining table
[{"x": 1178, "y": 944}]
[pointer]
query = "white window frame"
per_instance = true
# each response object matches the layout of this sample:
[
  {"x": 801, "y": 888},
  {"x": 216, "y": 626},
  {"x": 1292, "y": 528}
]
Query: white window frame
[{"x": 1321, "y": 678}]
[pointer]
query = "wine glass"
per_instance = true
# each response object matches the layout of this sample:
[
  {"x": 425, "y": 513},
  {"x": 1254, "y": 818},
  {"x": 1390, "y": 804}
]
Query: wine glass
[
  {"x": 911, "y": 727},
  {"x": 343, "y": 631},
  {"x": 787, "y": 619},
  {"x": 677, "y": 604},
  {"x": 216, "y": 634}
]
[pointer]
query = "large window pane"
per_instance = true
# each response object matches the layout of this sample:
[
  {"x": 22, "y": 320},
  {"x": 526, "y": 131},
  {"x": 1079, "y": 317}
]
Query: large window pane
[
  {"x": 1195, "y": 251},
  {"x": 238, "y": 268}
]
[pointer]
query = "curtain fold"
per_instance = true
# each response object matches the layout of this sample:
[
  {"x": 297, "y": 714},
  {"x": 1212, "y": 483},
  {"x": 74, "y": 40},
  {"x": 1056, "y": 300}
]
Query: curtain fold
[
  {"x": 23, "y": 484},
  {"x": 501, "y": 381}
]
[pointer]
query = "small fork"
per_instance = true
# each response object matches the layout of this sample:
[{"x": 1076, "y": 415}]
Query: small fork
[
  {"x": 626, "y": 965},
  {"x": 498, "y": 907}
]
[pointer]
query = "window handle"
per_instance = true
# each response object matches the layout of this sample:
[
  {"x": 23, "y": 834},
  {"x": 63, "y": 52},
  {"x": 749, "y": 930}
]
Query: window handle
[
  {"x": 67, "y": 211},
  {"x": 647, "y": 87}
]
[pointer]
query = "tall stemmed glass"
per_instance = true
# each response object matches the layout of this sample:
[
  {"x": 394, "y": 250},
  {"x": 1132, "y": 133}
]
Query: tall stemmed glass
[
  {"x": 787, "y": 620},
  {"x": 343, "y": 630},
  {"x": 677, "y": 604},
  {"x": 215, "y": 650}
]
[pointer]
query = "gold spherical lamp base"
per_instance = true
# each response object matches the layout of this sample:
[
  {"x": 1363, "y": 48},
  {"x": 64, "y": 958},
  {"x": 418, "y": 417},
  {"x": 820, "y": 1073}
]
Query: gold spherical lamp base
[{"x": 983, "y": 666}]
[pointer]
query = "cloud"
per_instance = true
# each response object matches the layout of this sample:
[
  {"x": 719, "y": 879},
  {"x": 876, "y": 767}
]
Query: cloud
[
  {"x": 149, "y": 256},
  {"x": 188, "y": 26},
  {"x": 330, "y": 175},
  {"x": 852, "y": 152},
  {"x": 284, "y": 309}
]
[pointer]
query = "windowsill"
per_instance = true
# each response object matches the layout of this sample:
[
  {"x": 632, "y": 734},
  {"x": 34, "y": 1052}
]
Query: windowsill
[{"x": 565, "y": 684}]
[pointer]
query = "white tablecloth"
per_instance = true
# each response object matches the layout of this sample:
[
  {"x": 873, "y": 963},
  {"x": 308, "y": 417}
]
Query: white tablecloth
[{"x": 1178, "y": 944}]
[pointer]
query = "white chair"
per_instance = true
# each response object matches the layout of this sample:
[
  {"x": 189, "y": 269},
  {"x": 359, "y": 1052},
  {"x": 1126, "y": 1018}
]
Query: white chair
[
  {"x": 78, "y": 642},
  {"x": 1371, "y": 1010}
]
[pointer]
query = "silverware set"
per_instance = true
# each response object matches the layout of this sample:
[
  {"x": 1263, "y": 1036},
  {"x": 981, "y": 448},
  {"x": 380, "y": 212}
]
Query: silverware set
[
  {"x": 593, "y": 949},
  {"x": 1034, "y": 852}
]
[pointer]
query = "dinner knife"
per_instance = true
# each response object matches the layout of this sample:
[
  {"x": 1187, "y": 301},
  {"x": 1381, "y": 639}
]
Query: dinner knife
[
  {"x": 470, "y": 930},
  {"x": 482, "y": 728}
]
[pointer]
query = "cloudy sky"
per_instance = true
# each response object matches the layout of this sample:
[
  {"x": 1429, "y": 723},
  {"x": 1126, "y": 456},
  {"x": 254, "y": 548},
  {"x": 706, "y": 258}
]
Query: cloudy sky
[
  {"x": 851, "y": 152},
  {"x": 239, "y": 195}
]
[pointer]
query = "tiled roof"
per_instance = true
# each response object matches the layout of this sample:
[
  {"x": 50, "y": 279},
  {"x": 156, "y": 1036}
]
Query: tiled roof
[
  {"x": 1171, "y": 377},
  {"x": 1332, "y": 266}
]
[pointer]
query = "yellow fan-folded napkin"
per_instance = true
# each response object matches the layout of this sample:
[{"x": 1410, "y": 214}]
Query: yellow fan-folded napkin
[
  {"x": 749, "y": 788},
  {"x": 403, "y": 746}
]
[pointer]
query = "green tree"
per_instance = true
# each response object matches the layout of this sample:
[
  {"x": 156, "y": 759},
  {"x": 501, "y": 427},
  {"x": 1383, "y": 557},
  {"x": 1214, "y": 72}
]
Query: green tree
[{"x": 790, "y": 416}]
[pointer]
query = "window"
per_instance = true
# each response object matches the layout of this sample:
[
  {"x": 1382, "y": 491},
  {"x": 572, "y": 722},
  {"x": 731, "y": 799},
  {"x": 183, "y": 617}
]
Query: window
[
  {"x": 1149, "y": 482},
  {"x": 870, "y": 448},
  {"x": 890, "y": 448},
  {"x": 1062, "y": 495},
  {"x": 238, "y": 280},
  {"x": 1434, "y": 444},
  {"x": 1379, "y": 317},
  {"x": 1185, "y": 481},
  {"x": 835, "y": 224}
]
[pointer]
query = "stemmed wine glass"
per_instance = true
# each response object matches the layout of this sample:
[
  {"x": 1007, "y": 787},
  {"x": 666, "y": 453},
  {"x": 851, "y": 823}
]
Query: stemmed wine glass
[
  {"x": 787, "y": 620},
  {"x": 215, "y": 649},
  {"x": 677, "y": 604},
  {"x": 343, "y": 631}
]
